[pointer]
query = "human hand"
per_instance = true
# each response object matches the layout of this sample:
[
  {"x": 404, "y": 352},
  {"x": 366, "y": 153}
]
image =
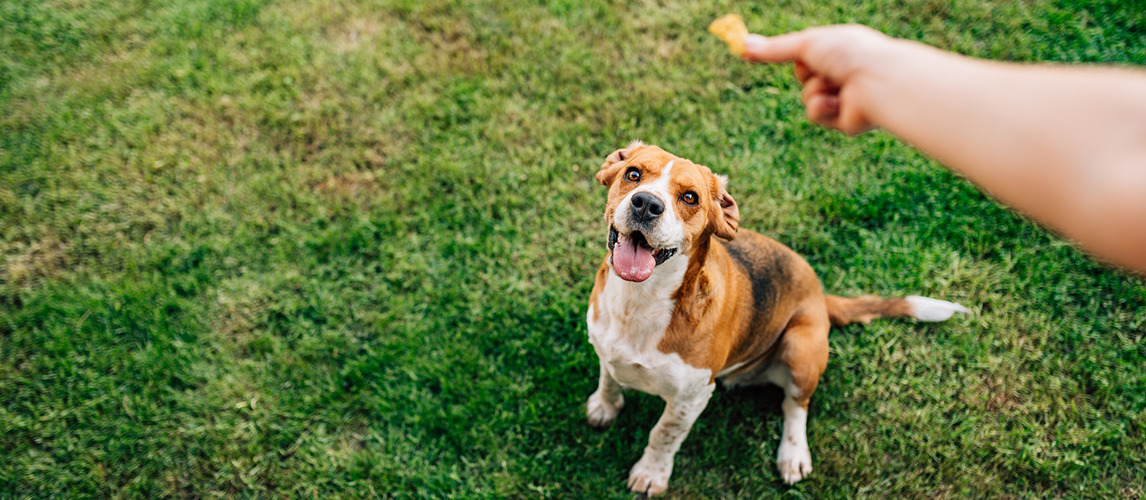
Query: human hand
[{"x": 836, "y": 65}]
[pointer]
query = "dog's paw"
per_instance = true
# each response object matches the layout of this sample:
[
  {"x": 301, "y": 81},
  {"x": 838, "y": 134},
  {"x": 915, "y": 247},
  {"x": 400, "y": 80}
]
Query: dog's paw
[
  {"x": 601, "y": 412},
  {"x": 651, "y": 475},
  {"x": 794, "y": 461}
]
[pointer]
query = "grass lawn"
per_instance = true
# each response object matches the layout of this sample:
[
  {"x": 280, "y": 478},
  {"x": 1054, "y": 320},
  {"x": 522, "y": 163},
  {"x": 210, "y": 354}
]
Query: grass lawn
[{"x": 343, "y": 249}]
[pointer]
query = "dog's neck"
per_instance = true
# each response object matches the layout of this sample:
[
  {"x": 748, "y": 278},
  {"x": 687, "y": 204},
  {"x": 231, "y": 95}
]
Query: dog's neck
[
  {"x": 647, "y": 307},
  {"x": 697, "y": 258}
]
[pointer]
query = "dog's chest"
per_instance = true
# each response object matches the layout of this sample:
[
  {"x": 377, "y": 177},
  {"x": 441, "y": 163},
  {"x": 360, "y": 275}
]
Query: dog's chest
[
  {"x": 631, "y": 323},
  {"x": 639, "y": 366}
]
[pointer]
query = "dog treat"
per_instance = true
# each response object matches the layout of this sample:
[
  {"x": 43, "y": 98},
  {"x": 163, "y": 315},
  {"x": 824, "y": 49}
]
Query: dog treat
[{"x": 731, "y": 29}]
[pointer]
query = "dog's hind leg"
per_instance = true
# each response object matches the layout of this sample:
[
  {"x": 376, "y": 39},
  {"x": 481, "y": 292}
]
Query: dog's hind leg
[
  {"x": 801, "y": 360},
  {"x": 793, "y": 458}
]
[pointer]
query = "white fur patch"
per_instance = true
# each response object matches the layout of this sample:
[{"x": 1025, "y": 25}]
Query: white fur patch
[
  {"x": 927, "y": 309},
  {"x": 793, "y": 457},
  {"x": 631, "y": 322}
]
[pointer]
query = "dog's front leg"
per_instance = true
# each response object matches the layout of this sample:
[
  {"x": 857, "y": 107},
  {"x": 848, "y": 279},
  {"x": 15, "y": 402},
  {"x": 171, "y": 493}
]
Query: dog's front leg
[
  {"x": 651, "y": 474},
  {"x": 606, "y": 403}
]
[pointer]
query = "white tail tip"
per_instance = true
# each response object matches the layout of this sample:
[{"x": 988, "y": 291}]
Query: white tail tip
[{"x": 925, "y": 309}]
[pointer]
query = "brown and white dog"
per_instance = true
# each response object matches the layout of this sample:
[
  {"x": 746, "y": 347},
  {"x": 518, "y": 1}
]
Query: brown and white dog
[{"x": 684, "y": 298}]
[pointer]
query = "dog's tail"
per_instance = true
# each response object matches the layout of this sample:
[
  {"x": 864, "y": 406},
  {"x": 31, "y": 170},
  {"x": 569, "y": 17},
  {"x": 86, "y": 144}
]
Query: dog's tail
[{"x": 842, "y": 310}]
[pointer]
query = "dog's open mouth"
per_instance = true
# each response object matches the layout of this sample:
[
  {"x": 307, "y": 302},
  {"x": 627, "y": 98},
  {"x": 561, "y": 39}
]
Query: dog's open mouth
[{"x": 633, "y": 257}]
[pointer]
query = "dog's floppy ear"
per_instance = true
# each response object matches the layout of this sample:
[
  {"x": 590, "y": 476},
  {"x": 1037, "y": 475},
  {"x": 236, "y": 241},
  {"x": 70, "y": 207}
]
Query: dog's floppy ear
[
  {"x": 612, "y": 166},
  {"x": 725, "y": 214}
]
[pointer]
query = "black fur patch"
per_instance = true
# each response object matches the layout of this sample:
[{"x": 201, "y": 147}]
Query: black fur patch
[{"x": 765, "y": 268}]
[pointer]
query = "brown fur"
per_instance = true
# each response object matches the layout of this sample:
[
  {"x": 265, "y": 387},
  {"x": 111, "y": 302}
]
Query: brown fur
[
  {"x": 843, "y": 310},
  {"x": 598, "y": 285},
  {"x": 718, "y": 324}
]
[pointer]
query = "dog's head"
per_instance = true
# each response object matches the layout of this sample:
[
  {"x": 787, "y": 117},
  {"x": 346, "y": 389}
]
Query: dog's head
[{"x": 660, "y": 207}]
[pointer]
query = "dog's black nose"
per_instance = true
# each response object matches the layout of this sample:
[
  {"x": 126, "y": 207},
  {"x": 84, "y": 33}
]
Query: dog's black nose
[{"x": 647, "y": 207}]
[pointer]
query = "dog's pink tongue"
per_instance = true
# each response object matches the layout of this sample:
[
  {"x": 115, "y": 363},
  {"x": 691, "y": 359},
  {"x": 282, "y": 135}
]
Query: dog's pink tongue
[{"x": 633, "y": 262}]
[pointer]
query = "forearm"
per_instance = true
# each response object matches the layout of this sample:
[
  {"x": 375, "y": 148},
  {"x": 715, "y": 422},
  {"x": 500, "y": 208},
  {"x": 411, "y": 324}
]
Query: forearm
[{"x": 1066, "y": 146}]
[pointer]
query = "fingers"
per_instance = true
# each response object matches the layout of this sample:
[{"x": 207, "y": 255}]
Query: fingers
[
  {"x": 824, "y": 60},
  {"x": 824, "y": 110},
  {"x": 851, "y": 119},
  {"x": 802, "y": 72},
  {"x": 821, "y": 100},
  {"x": 775, "y": 49},
  {"x": 824, "y": 105}
]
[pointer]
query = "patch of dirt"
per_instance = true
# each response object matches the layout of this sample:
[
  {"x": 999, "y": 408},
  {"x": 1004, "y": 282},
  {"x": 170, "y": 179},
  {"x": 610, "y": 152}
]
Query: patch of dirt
[
  {"x": 1000, "y": 396},
  {"x": 28, "y": 262},
  {"x": 354, "y": 33},
  {"x": 347, "y": 185}
]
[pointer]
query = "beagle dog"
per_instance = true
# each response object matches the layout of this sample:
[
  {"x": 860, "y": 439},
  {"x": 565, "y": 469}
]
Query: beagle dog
[{"x": 684, "y": 297}]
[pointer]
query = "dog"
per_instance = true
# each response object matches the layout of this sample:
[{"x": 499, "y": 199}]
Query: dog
[{"x": 685, "y": 297}]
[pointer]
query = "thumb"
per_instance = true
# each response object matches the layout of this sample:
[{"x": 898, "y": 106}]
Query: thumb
[{"x": 775, "y": 49}]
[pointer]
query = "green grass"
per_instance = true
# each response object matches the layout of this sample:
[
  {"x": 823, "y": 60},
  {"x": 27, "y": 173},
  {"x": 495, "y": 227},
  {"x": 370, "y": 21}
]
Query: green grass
[{"x": 343, "y": 249}]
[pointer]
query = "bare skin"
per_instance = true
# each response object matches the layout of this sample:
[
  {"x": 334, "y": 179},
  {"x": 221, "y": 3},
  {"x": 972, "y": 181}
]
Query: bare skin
[{"x": 1065, "y": 145}]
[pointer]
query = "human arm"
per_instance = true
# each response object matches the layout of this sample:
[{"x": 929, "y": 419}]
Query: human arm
[{"x": 1067, "y": 146}]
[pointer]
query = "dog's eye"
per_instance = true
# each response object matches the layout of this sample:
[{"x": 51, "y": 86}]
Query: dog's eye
[
  {"x": 633, "y": 175},
  {"x": 689, "y": 197}
]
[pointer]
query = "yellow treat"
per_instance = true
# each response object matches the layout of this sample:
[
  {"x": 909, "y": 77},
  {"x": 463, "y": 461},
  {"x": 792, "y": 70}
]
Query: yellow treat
[{"x": 731, "y": 29}]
